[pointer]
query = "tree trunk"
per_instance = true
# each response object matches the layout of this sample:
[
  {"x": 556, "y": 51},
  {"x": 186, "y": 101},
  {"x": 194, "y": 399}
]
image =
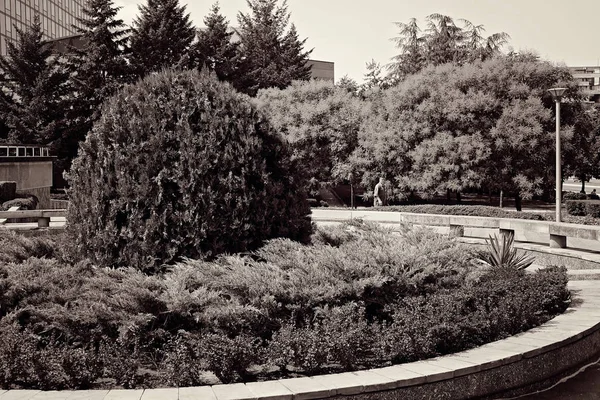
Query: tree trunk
[
  {"x": 490, "y": 196},
  {"x": 518, "y": 202},
  {"x": 448, "y": 196},
  {"x": 501, "y": 198},
  {"x": 458, "y": 197},
  {"x": 582, "y": 184}
]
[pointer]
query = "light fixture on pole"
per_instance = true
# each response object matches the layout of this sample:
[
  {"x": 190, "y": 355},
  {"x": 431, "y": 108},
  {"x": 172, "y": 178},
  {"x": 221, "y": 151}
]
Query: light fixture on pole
[{"x": 557, "y": 93}]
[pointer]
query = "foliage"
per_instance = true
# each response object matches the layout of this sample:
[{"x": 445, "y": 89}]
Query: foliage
[
  {"x": 272, "y": 54},
  {"x": 161, "y": 36},
  {"x": 25, "y": 203},
  {"x": 442, "y": 42},
  {"x": 503, "y": 254},
  {"x": 589, "y": 208},
  {"x": 182, "y": 166},
  {"x": 215, "y": 49},
  {"x": 358, "y": 297},
  {"x": 98, "y": 68},
  {"x": 486, "y": 124},
  {"x": 320, "y": 121},
  {"x": 8, "y": 190},
  {"x": 574, "y": 196},
  {"x": 33, "y": 88},
  {"x": 17, "y": 248}
]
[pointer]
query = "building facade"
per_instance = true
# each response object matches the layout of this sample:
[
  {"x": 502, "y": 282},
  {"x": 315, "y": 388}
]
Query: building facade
[
  {"x": 588, "y": 79},
  {"x": 58, "y": 18}
]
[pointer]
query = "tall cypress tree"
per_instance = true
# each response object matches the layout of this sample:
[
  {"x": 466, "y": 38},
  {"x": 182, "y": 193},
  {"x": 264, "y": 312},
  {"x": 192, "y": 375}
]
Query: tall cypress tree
[
  {"x": 161, "y": 36},
  {"x": 98, "y": 69},
  {"x": 272, "y": 55},
  {"x": 33, "y": 88},
  {"x": 214, "y": 48}
]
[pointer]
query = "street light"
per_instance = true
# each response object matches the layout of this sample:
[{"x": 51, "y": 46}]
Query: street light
[{"x": 557, "y": 93}]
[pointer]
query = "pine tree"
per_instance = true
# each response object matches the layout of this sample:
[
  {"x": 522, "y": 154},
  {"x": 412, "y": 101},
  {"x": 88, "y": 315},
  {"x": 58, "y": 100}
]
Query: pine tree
[
  {"x": 161, "y": 36},
  {"x": 98, "y": 69},
  {"x": 33, "y": 88},
  {"x": 214, "y": 48},
  {"x": 272, "y": 55}
]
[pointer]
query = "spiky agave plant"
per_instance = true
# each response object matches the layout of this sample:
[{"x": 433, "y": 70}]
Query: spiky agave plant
[{"x": 502, "y": 253}]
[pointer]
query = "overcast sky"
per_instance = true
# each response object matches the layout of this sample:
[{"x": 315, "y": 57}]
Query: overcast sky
[{"x": 351, "y": 32}]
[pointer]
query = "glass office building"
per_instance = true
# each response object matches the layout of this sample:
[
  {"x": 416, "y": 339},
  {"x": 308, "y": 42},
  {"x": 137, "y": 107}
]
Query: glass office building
[{"x": 57, "y": 18}]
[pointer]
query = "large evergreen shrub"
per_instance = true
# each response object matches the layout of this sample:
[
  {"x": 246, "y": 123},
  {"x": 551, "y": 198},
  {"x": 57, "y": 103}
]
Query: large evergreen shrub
[{"x": 180, "y": 165}]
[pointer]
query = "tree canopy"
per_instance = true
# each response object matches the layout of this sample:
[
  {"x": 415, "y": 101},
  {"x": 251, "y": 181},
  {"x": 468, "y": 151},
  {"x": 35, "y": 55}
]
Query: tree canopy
[
  {"x": 161, "y": 36},
  {"x": 272, "y": 54},
  {"x": 32, "y": 89}
]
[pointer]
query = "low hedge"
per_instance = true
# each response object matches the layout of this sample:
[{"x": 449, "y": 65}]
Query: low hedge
[
  {"x": 589, "y": 208},
  {"x": 479, "y": 211},
  {"x": 357, "y": 298}
]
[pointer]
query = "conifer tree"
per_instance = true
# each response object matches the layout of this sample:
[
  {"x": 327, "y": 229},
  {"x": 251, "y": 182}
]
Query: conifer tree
[
  {"x": 33, "y": 88},
  {"x": 272, "y": 54},
  {"x": 98, "y": 69},
  {"x": 161, "y": 36},
  {"x": 214, "y": 48}
]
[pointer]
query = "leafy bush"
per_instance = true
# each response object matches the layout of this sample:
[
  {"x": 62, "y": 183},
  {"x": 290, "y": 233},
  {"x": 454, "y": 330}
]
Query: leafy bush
[
  {"x": 589, "y": 208},
  {"x": 25, "y": 202},
  {"x": 575, "y": 207},
  {"x": 574, "y": 196},
  {"x": 181, "y": 165},
  {"x": 8, "y": 190},
  {"x": 479, "y": 211}
]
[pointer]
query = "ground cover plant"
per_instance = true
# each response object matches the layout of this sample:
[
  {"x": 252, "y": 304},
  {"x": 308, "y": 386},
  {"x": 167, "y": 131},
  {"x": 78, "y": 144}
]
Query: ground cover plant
[{"x": 357, "y": 297}]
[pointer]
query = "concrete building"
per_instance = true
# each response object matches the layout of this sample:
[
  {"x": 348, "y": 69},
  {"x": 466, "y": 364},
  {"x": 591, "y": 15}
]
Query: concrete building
[
  {"x": 30, "y": 166},
  {"x": 57, "y": 18},
  {"x": 588, "y": 79}
]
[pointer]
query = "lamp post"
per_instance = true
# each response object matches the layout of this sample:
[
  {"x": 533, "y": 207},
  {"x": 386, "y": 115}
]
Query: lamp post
[{"x": 557, "y": 93}]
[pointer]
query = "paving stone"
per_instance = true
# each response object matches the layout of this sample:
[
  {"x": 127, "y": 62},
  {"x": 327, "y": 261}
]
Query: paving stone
[
  {"x": 236, "y": 391},
  {"x": 307, "y": 388},
  {"x": 124, "y": 394},
  {"x": 431, "y": 371},
  {"x": 373, "y": 382},
  {"x": 488, "y": 357},
  {"x": 197, "y": 393},
  {"x": 459, "y": 366},
  {"x": 402, "y": 376},
  {"x": 345, "y": 383},
  {"x": 88, "y": 395},
  {"x": 52, "y": 395},
  {"x": 270, "y": 390},
  {"x": 19, "y": 394},
  {"x": 161, "y": 394}
]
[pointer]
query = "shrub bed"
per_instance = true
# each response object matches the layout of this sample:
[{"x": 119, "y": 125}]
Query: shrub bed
[{"x": 357, "y": 297}]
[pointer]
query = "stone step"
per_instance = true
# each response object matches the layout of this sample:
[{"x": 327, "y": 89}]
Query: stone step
[{"x": 584, "y": 274}]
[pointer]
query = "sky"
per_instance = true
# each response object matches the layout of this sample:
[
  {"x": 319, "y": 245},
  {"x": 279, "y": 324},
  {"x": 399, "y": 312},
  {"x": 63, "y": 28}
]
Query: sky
[{"x": 351, "y": 32}]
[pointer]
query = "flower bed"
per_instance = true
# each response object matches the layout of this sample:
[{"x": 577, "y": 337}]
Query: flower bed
[{"x": 358, "y": 297}]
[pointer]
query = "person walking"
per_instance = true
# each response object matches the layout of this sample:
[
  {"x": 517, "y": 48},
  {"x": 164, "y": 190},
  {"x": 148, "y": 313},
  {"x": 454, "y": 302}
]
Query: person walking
[{"x": 378, "y": 193}]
